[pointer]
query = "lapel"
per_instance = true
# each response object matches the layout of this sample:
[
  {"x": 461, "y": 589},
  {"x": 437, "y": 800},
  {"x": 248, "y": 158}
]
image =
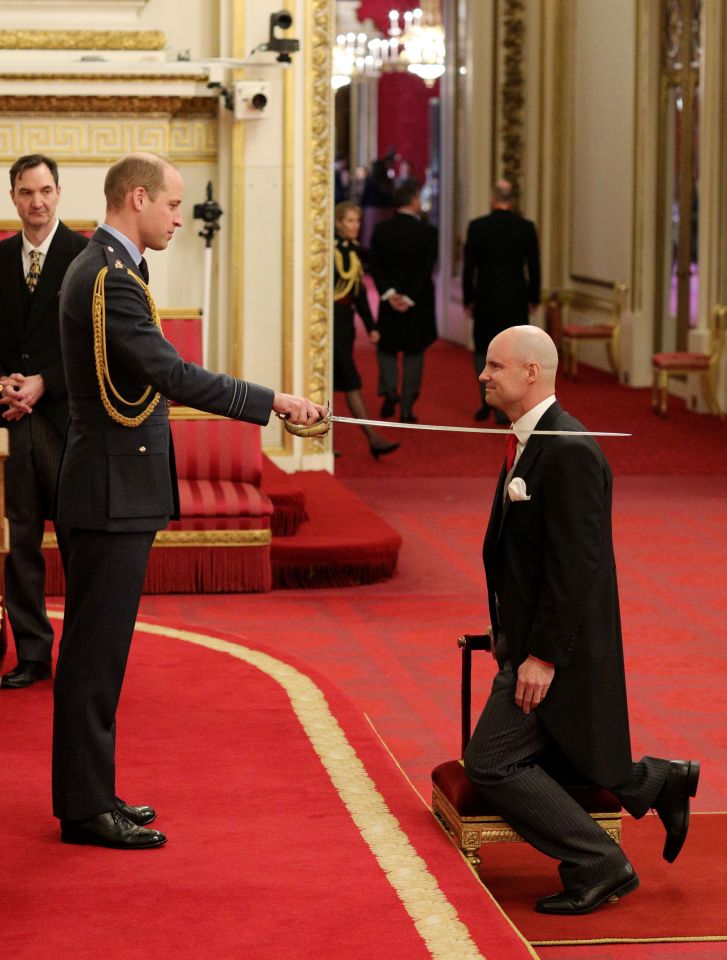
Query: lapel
[
  {"x": 11, "y": 270},
  {"x": 49, "y": 284},
  {"x": 530, "y": 455}
]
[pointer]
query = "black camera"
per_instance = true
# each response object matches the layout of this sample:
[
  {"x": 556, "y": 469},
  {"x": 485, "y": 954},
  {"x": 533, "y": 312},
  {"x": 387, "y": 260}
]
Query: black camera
[
  {"x": 282, "y": 20},
  {"x": 210, "y": 211}
]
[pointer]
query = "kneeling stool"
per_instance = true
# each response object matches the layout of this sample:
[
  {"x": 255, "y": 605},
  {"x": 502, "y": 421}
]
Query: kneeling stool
[{"x": 468, "y": 818}]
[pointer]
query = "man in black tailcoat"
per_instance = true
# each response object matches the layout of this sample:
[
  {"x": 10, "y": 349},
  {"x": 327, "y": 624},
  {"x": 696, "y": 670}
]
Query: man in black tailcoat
[
  {"x": 117, "y": 485},
  {"x": 402, "y": 259},
  {"x": 501, "y": 276},
  {"x": 556, "y": 636},
  {"x": 35, "y": 412}
]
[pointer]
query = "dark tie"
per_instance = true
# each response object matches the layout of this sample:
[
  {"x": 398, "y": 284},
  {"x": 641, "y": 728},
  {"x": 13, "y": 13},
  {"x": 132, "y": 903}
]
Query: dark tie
[
  {"x": 510, "y": 451},
  {"x": 33, "y": 275},
  {"x": 144, "y": 270}
]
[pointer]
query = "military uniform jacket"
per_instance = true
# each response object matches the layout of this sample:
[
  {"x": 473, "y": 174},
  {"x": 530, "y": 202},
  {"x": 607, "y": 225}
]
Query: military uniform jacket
[
  {"x": 115, "y": 477},
  {"x": 29, "y": 336},
  {"x": 551, "y": 582}
]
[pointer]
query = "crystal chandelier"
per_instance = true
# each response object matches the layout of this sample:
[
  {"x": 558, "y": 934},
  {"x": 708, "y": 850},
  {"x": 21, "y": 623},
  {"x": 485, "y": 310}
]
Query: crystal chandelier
[{"x": 419, "y": 43}]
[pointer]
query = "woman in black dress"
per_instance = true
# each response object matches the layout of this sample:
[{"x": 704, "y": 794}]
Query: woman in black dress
[{"x": 349, "y": 295}]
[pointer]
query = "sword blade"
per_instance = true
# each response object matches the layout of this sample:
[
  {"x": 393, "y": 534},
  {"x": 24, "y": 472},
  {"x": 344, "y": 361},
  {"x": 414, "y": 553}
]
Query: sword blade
[{"x": 395, "y": 425}]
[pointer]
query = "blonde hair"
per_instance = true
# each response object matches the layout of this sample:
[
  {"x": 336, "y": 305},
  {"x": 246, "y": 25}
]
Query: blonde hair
[{"x": 145, "y": 170}]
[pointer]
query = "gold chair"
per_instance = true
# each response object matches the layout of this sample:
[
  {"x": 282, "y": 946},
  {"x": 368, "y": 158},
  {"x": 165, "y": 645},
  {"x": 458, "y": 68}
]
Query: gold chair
[
  {"x": 608, "y": 332},
  {"x": 683, "y": 362}
]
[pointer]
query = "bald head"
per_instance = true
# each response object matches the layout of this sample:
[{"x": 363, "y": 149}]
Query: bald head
[
  {"x": 502, "y": 194},
  {"x": 520, "y": 370}
]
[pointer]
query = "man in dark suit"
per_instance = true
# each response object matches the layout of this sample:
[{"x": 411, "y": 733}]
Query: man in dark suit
[
  {"x": 501, "y": 276},
  {"x": 402, "y": 259},
  {"x": 117, "y": 485},
  {"x": 32, "y": 266},
  {"x": 556, "y": 635}
]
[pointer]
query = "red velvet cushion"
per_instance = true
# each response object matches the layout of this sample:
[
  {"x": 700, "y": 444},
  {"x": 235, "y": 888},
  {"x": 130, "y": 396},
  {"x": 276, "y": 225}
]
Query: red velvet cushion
[
  {"x": 186, "y": 337},
  {"x": 222, "y": 498},
  {"x": 681, "y": 361},
  {"x": 217, "y": 450},
  {"x": 454, "y": 785},
  {"x": 585, "y": 331}
]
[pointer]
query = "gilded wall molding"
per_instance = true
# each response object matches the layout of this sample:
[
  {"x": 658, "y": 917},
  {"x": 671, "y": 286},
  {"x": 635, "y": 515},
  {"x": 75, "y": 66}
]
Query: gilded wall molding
[
  {"x": 318, "y": 203},
  {"x": 512, "y": 93},
  {"x": 82, "y": 40},
  {"x": 127, "y": 105},
  {"x": 102, "y": 141}
]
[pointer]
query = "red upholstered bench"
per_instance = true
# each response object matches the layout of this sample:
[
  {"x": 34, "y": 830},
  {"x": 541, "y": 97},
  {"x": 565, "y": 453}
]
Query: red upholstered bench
[
  {"x": 466, "y": 816},
  {"x": 566, "y": 301}
]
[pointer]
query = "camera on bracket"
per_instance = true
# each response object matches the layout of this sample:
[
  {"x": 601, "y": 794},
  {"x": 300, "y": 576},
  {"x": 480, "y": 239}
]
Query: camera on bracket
[{"x": 282, "y": 20}]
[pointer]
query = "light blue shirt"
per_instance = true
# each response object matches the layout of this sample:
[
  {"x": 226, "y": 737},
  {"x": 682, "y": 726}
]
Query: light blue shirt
[{"x": 130, "y": 246}]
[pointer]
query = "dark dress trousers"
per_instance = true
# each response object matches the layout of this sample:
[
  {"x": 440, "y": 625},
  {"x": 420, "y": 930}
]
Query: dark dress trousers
[
  {"x": 117, "y": 486},
  {"x": 501, "y": 273},
  {"x": 552, "y": 591},
  {"x": 30, "y": 344}
]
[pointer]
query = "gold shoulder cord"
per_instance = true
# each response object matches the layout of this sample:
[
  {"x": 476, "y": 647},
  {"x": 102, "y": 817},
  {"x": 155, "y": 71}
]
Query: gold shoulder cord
[
  {"x": 99, "y": 350},
  {"x": 349, "y": 279}
]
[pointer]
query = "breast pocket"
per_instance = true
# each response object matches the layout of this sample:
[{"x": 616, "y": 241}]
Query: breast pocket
[{"x": 138, "y": 471}]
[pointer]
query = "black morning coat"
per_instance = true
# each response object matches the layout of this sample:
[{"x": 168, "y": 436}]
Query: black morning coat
[
  {"x": 402, "y": 256},
  {"x": 549, "y": 561},
  {"x": 113, "y": 477},
  {"x": 30, "y": 341}
]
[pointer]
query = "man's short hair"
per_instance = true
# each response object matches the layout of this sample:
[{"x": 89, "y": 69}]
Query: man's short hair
[
  {"x": 28, "y": 162},
  {"x": 135, "y": 170},
  {"x": 405, "y": 192}
]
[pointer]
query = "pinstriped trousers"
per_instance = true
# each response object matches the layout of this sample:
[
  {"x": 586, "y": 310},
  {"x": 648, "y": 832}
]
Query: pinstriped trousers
[
  {"x": 31, "y": 472},
  {"x": 501, "y": 761}
]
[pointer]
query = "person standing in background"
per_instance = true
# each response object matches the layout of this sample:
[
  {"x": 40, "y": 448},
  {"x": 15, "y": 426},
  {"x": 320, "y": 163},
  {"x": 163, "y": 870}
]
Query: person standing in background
[
  {"x": 35, "y": 409},
  {"x": 501, "y": 277}
]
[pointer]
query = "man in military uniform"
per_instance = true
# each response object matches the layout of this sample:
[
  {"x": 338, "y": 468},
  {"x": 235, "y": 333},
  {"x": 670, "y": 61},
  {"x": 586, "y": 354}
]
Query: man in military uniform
[{"x": 117, "y": 485}]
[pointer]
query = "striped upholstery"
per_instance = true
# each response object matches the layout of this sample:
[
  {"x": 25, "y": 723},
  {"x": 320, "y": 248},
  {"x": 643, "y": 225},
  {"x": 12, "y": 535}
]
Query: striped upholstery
[
  {"x": 219, "y": 499},
  {"x": 185, "y": 334},
  {"x": 218, "y": 450}
]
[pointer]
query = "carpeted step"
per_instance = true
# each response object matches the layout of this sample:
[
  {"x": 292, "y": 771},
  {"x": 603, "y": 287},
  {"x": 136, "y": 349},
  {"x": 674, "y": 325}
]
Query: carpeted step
[{"x": 288, "y": 499}]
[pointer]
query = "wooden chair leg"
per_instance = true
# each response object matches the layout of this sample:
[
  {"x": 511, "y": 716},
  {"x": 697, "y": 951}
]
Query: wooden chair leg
[
  {"x": 663, "y": 392},
  {"x": 611, "y": 349},
  {"x": 655, "y": 391},
  {"x": 709, "y": 393}
]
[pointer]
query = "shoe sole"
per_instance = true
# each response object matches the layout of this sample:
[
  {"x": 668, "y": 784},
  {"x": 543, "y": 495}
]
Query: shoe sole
[
  {"x": 612, "y": 897},
  {"x": 693, "y": 771},
  {"x": 86, "y": 842}
]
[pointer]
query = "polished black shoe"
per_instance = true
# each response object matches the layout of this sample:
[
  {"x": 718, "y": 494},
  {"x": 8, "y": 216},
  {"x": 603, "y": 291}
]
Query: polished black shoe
[
  {"x": 672, "y": 804},
  {"x": 110, "y": 829},
  {"x": 26, "y": 672},
  {"x": 388, "y": 407},
  {"x": 586, "y": 899},
  {"x": 141, "y": 816},
  {"x": 483, "y": 413},
  {"x": 409, "y": 418},
  {"x": 381, "y": 449}
]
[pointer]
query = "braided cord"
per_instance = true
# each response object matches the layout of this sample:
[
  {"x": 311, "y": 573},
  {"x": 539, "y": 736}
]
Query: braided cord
[{"x": 100, "y": 356}]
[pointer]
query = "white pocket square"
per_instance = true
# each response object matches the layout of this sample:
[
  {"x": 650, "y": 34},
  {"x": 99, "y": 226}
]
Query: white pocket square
[{"x": 516, "y": 489}]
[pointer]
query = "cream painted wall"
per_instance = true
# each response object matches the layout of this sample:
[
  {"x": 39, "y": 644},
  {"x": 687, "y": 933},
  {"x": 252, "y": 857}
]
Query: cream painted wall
[{"x": 602, "y": 139}]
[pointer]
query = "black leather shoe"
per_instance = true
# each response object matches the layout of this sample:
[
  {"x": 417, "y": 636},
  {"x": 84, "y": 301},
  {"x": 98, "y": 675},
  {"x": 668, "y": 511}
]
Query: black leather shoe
[
  {"x": 141, "y": 816},
  {"x": 672, "y": 804},
  {"x": 381, "y": 449},
  {"x": 573, "y": 902},
  {"x": 483, "y": 413},
  {"x": 110, "y": 829},
  {"x": 409, "y": 418},
  {"x": 26, "y": 672},
  {"x": 388, "y": 407}
]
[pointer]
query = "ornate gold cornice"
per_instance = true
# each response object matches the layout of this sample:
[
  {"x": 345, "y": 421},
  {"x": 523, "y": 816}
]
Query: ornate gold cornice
[
  {"x": 166, "y": 106},
  {"x": 125, "y": 76},
  {"x": 319, "y": 230},
  {"x": 82, "y": 40},
  {"x": 513, "y": 92}
]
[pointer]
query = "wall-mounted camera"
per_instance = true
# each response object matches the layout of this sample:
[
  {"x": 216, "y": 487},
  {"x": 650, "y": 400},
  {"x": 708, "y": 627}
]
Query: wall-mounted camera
[
  {"x": 251, "y": 97},
  {"x": 282, "y": 20}
]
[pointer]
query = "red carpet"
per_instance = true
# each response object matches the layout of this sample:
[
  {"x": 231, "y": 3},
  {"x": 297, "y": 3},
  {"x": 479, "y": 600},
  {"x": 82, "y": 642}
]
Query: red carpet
[
  {"x": 685, "y": 444},
  {"x": 675, "y": 901}
]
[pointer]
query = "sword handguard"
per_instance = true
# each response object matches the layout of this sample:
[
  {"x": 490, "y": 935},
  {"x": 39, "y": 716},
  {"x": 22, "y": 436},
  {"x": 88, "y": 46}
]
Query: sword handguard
[{"x": 318, "y": 429}]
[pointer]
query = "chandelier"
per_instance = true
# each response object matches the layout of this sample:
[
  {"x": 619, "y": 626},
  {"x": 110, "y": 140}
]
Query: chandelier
[{"x": 415, "y": 42}]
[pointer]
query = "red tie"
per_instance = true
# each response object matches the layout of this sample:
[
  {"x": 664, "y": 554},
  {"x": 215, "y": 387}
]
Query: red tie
[{"x": 511, "y": 450}]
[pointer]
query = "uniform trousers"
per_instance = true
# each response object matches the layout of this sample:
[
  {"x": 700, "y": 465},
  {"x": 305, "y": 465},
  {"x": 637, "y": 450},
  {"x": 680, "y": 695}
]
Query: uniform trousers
[
  {"x": 103, "y": 589},
  {"x": 501, "y": 760},
  {"x": 31, "y": 471},
  {"x": 412, "y": 377}
]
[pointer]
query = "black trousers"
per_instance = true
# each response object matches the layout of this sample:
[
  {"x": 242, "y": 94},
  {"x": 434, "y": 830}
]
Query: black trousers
[
  {"x": 30, "y": 479},
  {"x": 501, "y": 761},
  {"x": 103, "y": 590}
]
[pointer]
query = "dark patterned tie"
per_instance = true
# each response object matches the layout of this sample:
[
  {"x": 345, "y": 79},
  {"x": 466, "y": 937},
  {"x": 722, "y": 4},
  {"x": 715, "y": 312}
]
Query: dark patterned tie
[
  {"x": 510, "y": 451},
  {"x": 144, "y": 270},
  {"x": 33, "y": 275}
]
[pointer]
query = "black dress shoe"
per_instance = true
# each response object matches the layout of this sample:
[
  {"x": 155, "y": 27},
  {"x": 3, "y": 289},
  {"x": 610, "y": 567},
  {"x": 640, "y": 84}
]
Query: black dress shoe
[
  {"x": 26, "y": 672},
  {"x": 672, "y": 804},
  {"x": 586, "y": 899},
  {"x": 141, "y": 816},
  {"x": 409, "y": 418},
  {"x": 110, "y": 829},
  {"x": 388, "y": 407},
  {"x": 381, "y": 449},
  {"x": 483, "y": 413}
]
